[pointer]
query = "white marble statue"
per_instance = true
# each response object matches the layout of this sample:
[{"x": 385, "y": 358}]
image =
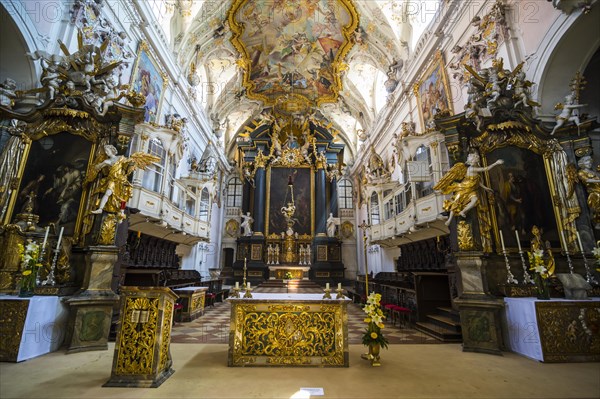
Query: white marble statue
[
  {"x": 247, "y": 224},
  {"x": 332, "y": 222}
]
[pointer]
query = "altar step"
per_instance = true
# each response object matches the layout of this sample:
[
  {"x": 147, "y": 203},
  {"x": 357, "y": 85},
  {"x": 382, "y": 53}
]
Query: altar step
[{"x": 444, "y": 325}]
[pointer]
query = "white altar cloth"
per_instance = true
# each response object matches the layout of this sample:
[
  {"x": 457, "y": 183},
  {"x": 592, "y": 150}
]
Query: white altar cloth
[
  {"x": 45, "y": 325},
  {"x": 287, "y": 297},
  {"x": 523, "y": 333}
]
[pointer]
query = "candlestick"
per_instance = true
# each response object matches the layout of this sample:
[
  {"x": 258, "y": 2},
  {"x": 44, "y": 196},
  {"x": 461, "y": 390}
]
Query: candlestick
[
  {"x": 569, "y": 262},
  {"x": 518, "y": 240},
  {"x": 502, "y": 241},
  {"x": 45, "y": 237}
]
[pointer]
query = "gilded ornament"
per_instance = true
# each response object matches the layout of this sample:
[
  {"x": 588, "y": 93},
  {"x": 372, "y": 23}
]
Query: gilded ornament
[
  {"x": 232, "y": 227},
  {"x": 108, "y": 229},
  {"x": 13, "y": 315},
  {"x": 465, "y": 236}
]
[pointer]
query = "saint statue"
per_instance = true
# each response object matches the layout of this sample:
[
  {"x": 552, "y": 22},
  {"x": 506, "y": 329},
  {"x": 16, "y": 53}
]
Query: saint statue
[
  {"x": 463, "y": 182},
  {"x": 591, "y": 180},
  {"x": 247, "y": 224},
  {"x": 332, "y": 222}
]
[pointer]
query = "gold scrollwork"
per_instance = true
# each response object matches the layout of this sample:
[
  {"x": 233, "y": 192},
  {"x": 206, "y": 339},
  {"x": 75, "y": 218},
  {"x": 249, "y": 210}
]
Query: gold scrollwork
[
  {"x": 465, "y": 236},
  {"x": 135, "y": 353},
  {"x": 166, "y": 335},
  {"x": 12, "y": 320}
]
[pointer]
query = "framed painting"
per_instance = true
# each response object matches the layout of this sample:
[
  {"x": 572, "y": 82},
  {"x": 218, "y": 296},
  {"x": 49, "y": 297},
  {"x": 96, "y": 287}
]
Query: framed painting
[
  {"x": 520, "y": 185},
  {"x": 54, "y": 174},
  {"x": 433, "y": 92},
  {"x": 279, "y": 194},
  {"x": 148, "y": 79}
]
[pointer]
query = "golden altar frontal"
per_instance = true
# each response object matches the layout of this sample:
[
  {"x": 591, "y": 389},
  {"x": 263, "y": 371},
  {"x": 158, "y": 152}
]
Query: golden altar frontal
[{"x": 288, "y": 330}]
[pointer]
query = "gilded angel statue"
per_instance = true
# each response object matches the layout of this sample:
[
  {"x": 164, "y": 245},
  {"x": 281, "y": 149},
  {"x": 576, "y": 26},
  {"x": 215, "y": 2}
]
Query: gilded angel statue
[
  {"x": 463, "y": 182},
  {"x": 114, "y": 185}
]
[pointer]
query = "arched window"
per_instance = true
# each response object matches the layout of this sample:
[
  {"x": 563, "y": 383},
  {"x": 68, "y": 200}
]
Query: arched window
[
  {"x": 204, "y": 204},
  {"x": 234, "y": 192},
  {"x": 374, "y": 209},
  {"x": 345, "y": 200},
  {"x": 423, "y": 156},
  {"x": 153, "y": 176}
]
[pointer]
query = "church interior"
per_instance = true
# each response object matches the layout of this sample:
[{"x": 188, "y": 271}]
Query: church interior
[{"x": 300, "y": 198}]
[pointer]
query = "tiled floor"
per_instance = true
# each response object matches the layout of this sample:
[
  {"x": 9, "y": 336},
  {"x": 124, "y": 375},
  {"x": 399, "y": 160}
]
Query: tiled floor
[{"x": 213, "y": 326}]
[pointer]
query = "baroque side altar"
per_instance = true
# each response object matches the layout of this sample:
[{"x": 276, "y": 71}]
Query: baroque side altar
[{"x": 288, "y": 330}]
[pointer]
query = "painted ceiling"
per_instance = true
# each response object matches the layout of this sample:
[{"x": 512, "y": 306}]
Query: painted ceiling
[
  {"x": 328, "y": 57},
  {"x": 292, "y": 47}
]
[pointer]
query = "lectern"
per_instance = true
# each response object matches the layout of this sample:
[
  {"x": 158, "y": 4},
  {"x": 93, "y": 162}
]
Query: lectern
[{"x": 142, "y": 356}]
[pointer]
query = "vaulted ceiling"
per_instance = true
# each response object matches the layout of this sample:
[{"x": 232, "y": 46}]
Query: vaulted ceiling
[{"x": 326, "y": 57}]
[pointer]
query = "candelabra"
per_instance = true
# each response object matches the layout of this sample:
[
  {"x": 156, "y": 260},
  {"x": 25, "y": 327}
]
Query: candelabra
[
  {"x": 340, "y": 293},
  {"x": 589, "y": 277},
  {"x": 327, "y": 294},
  {"x": 50, "y": 280},
  {"x": 510, "y": 278},
  {"x": 364, "y": 226},
  {"x": 526, "y": 277},
  {"x": 569, "y": 260},
  {"x": 244, "y": 282}
]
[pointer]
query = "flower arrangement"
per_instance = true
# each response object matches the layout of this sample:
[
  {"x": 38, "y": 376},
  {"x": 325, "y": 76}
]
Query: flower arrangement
[
  {"x": 374, "y": 322},
  {"x": 538, "y": 265},
  {"x": 288, "y": 276},
  {"x": 30, "y": 266}
]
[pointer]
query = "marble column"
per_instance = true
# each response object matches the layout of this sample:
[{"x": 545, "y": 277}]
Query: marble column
[
  {"x": 259, "y": 201},
  {"x": 333, "y": 200},
  {"x": 321, "y": 202}
]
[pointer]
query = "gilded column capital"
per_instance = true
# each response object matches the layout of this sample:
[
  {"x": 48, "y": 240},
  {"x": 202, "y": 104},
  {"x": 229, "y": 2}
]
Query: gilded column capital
[{"x": 260, "y": 161}]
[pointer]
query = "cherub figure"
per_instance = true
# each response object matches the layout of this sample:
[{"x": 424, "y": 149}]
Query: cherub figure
[
  {"x": 463, "y": 182},
  {"x": 115, "y": 186},
  {"x": 567, "y": 112}
]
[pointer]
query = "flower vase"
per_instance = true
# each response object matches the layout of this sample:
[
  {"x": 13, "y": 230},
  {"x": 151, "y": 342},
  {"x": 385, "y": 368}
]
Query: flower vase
[
  {"x": 541, "y": 286},
  {"x": 374, "y": 350},
  {"x": 27, "y": 288}
]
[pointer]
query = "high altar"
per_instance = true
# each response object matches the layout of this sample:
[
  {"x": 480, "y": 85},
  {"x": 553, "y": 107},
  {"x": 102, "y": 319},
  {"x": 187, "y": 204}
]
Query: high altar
[
  {"x": 288, "y": 330},
  {"x": 290, "y": 166}
]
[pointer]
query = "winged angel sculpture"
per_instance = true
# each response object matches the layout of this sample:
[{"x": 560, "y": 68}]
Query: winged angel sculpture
[
  {"x": 114, "y": 185},
  {"x": 463, "y": 182}
]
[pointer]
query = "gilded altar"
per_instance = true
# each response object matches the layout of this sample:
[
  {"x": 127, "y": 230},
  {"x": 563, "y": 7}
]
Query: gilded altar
[{"x": 302, "y": 330}]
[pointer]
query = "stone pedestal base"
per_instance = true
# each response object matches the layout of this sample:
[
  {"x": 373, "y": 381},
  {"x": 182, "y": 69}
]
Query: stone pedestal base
[
  {"x": 481, "y": 322},
  {"x": 89, "y": 322},
  {"x": 480, "y": 314},
  {"x": 91, "y": 310}
]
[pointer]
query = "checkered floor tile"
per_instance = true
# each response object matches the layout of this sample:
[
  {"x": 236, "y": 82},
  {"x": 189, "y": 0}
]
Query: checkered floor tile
[{"x": 213, "y": 326}]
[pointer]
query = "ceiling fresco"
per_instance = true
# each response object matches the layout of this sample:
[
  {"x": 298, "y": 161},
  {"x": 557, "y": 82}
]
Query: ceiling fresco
[{"x": 292, "y": 47}]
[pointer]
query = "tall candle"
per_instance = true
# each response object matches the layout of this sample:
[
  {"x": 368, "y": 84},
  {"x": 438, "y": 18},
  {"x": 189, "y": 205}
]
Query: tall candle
[
  {"x": 248, "y": 285},
  {"x": 579, "y": 241},
  {"x": 502, "y": 241},
  {"x": 237, "y": 285},
  {"x": 45, "y": 238},
  {"x": 562, "y": 233},
  {"x": 327, "y": 286},
  {"x": 62, "y": 229},
  {"x": 518, "y": 241},
  {"x": 339, "y": 286}
]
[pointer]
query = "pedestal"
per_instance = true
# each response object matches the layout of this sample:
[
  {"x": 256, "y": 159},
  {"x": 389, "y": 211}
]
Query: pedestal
[
  {"x": 91, "y": 310},
  {"x": 193, "y": 300},
  {"x": 480, "y": 314},
  {"x": 142, "y": 356}
]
